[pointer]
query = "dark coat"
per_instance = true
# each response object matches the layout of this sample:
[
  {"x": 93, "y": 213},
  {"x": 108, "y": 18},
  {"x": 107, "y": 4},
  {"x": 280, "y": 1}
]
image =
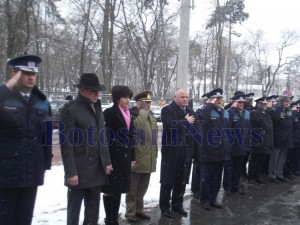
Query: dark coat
[
  {"x": 283, "y": 126},
  {"x": 121, "y": 151},
  {"x": 177, "y": 146},
  {"x": 84, "y": 153},
  {"x": 296, "y": 129},
  {"x": 241, "y": 121},
  {"x": 215, "y": 146},
  {"x": 24, "y": 157},
  {"x": 262, "y": 120}
]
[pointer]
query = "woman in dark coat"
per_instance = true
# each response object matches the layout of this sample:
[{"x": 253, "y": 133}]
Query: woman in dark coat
[{"x": 119, "y": 127}]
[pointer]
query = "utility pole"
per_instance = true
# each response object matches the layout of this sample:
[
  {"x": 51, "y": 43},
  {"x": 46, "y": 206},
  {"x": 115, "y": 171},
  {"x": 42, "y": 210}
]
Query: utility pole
[{"x": 183, "y": 59}]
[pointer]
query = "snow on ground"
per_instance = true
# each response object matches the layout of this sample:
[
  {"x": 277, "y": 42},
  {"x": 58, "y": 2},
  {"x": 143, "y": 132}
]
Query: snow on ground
[{"x": 51, "y": 201}]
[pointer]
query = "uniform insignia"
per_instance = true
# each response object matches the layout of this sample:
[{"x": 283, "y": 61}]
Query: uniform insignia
[{"x": 31, "y": 64}]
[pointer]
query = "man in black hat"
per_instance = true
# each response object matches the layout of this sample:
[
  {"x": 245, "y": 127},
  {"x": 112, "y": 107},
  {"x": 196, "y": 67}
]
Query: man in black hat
[
  {"x": 272, "y": 101},
  {"x": 283, "y": 138},
  {"x": 84, "y": 152},
  {"x": 24, "y": 155},
  {"x": 214, "y": 145},
  {"x": 146, "y": 155},
  {"x": 260, "y": 120}
]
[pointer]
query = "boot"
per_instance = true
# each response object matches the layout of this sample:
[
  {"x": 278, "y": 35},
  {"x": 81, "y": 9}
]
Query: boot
[
  {"x": 117, "y": 202},
  {"x": 108, "y": 202}
]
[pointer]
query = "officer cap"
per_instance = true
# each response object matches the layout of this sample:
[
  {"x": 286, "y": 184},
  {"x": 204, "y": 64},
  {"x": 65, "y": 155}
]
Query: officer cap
[
  {"x": 261, "y": 100},
  {"x": 143, "y": 96},
  {"x": 238, "y": 98},
  {"x": 239, "y": 93},
  {"x": 26, "y": 63},
  {"x": 271, "y": 98},
  {"x": 249, "y": 95},
  {"x": 216, "y": 93},
  {"x": 204, "y": 96}
]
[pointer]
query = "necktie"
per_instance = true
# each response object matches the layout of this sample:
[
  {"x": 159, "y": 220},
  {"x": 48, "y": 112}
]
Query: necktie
[{"x": 26, "y": 97}]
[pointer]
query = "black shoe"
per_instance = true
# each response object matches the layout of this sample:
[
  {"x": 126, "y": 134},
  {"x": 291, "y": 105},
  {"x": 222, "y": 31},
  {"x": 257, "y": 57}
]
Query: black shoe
[
  {"x": 251, "y": 181},
  {"x": 143, "y": 216},
  {"x": 240, "y": 192},
  {"x": 274, "y": 181},
  {"x": 206, "y": 207},
  {"x": 228, "y": 193},
  {"x": 297, "y": 174},
  {"x": 290, "y": 177},
  {"x": 167, "y": 213},
  {"x": 180, "y": 210},
  {"x": 260, "y": 181},
  {"x": 216, "y": 205},
  {"x": 282, "y": 179}
]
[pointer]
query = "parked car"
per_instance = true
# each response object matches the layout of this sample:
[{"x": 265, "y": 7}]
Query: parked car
[
  {"x": 56, "y": 106},
  {"x": 156, "y": 112}
]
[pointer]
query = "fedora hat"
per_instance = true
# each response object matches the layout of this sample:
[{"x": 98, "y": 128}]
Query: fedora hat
[{"x": 90, "y": 81}]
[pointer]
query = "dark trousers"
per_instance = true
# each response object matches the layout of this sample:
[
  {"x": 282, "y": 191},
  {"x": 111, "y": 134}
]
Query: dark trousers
[
  {"x": 227, "y": 175},
  {"x": 91, "y": 197},
  {"x": 297, "y": 152},
  {"x": 265, "y": 164},
  {"x": 290, "y": 162},
  {"x": 211, "y": 175},
  {"x": 244, "y": 165},
  {"x": 256, "y": 163},
  {"x": 165, "y": 196},
  {"x": 196, "y": 178},
  {"x": 17, "y": 205}
]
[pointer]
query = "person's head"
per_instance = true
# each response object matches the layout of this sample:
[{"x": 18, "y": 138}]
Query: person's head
[
  {"x": 181, "y": 97},
  {"x": 89, "y": 87},
  {"x": 121, "y": 95},
  {"x": 28, "y": 66},
  {"x": 216, "y": 97},
  {"x": 249, "y": 99},
  {"x": 284, "y": 101},
  {"x": 143, "y": 100},
  {"x": 261, "y": 103},
  {"x": 204, "y": 97},
  {"x": 272, "y": 101},
  {"x": 240, "y": 99}
]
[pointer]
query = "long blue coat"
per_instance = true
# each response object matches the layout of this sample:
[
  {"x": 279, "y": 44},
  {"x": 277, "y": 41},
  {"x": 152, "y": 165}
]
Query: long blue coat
[{"x": 24, "y": 157}]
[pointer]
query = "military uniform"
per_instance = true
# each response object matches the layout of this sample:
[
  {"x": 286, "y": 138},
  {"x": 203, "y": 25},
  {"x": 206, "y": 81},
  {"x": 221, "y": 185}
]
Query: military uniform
[{"x": 146, "y": 156}]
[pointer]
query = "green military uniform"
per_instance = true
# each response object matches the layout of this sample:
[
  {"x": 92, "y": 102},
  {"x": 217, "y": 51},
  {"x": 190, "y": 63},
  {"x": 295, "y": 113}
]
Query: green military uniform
[{"x": 146, "y": 155}]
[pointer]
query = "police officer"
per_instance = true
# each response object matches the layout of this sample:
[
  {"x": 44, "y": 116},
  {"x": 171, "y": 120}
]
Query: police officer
[
  {"x": 195, "y": 186},
  {"x": 239, "y": 119},
  {"x": 24, "y": 155},
  {"x": 214, "y": 144},
  {"x": 248, "y": 106},
  {"x": 283, "y": 133},
  {"x": 260, "y": 119}
]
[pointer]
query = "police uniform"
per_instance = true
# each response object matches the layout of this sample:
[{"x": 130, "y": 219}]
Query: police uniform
[
  {"x": 240, "y": 122},
  {"x": 24, "y": 155},
  {"x": 248, "y": 106},
  {"x": 283, "y": 138},
  {"x": 260, "y": 120},
  {"x": 195, "y": 186},
  {"x": 213, "y": 149}
]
